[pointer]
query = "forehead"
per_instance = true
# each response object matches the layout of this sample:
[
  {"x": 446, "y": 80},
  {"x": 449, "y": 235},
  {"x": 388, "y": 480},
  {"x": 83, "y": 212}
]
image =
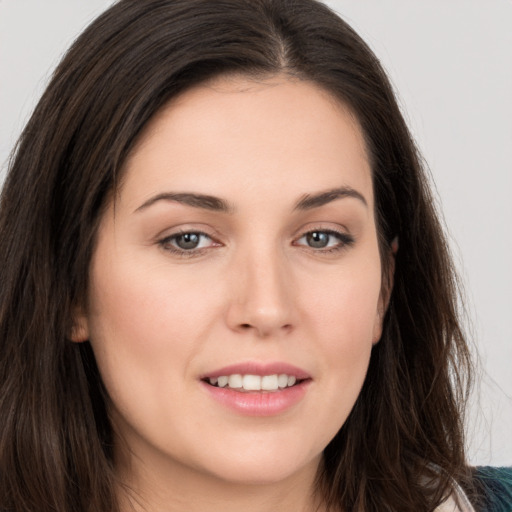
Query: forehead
[{"x": 238, "y": 131}]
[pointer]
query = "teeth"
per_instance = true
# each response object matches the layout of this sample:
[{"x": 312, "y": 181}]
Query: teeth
[
  {"x": 235, "y": 381},
  {"x": 282, "y": 381},
  {"x": 254, "y": 382},
  {"x": 251, "y": 382},
  {"x": 270, "y": 382}
]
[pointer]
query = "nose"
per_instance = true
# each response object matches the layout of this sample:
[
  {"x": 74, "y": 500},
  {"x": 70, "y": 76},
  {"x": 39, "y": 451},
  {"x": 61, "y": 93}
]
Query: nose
[{"x": 262, "y": 296}]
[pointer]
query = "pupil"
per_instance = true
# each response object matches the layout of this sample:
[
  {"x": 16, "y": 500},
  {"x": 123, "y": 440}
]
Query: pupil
[
  {"x": 317, "y": 239},
  {"x": 188, "y": 241}
]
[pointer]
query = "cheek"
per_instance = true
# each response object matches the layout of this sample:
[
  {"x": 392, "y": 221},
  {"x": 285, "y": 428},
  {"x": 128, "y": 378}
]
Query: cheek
[
  {"x": 149, "y": 304},
  {"x": 338, "y": 314},
  {"x": 144, "y": 331},
  {"x": 344, "y": 318},
  {"x": 345, "y": 305},
  {"x": 347, "y": 332},
  {"x": 144, "y": 326}
]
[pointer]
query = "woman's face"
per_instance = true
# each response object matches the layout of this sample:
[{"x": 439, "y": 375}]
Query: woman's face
[{"x": 241, "y": 247}]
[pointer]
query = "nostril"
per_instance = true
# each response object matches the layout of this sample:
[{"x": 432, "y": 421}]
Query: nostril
[{"x": 246, "y": 327}]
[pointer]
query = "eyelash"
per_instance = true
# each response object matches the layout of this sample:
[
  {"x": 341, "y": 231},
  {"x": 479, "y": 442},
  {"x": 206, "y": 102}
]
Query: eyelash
[
  {"x": 344, "y": 241},
  {"x": 166, "y": 242}
]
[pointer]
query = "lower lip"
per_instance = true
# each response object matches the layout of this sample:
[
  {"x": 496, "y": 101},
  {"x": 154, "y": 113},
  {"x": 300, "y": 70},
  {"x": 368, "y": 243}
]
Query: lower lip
[{"x": 259, "y": 403}]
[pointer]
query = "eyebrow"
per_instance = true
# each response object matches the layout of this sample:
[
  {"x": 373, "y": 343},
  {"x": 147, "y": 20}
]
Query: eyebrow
[
  {"x": 216, "y": 204},
  {"x": 203, "y": 201},
  {"x": 308, "y": 202}
]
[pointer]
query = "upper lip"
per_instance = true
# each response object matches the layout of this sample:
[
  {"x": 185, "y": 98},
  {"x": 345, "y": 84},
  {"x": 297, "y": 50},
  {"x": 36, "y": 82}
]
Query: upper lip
[{"x": 259, "y": 368}]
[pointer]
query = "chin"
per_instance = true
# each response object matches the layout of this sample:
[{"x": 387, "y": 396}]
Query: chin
[{"x": 264, "y": 465}]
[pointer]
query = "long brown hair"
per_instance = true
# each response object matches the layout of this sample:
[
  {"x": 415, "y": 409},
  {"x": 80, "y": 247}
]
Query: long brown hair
[{"x": 403, "y": 444}]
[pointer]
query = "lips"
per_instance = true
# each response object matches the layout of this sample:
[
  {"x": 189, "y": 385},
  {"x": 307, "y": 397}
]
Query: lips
[{"x": 257, "y": 389}]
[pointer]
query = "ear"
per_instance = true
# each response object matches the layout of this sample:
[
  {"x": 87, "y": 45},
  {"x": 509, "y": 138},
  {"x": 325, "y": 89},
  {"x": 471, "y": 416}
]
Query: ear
[
  {"x": 80, "y": 326},
  {"x": 385, "y": 292}
]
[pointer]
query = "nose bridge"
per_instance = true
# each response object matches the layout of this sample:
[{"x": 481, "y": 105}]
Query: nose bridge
[{"x": 263, "y": 285}]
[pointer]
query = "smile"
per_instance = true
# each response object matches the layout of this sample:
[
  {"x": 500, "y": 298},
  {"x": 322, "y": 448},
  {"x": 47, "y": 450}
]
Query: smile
[
  {"x": 250, "y": 382},
  {"x": 256, "y": 388}
]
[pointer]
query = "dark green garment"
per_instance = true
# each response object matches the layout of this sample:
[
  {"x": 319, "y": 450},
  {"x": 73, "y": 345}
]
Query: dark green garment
[{"x": 496, "y": 484}]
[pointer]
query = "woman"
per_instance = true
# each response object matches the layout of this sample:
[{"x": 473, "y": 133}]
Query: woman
[{"x": 224, "y": 283}]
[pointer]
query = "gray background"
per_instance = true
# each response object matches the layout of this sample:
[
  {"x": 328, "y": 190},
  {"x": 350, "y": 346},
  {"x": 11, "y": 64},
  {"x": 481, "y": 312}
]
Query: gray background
[{"x": 451, "y": 63}]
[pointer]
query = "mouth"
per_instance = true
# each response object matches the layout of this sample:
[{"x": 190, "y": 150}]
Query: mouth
[
  {"x": 256, "y": 388},
  {"x": 246, "y": 383}
]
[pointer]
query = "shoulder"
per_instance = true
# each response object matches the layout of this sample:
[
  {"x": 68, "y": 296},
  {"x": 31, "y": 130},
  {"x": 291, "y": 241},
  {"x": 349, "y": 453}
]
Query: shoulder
[{"x": 496, "y": 487}]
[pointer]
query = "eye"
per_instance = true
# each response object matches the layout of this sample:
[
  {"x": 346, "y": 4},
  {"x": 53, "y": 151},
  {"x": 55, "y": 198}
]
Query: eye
[
  {"x": 325, "y": 239},
  {"x": 188, "y": 241}
]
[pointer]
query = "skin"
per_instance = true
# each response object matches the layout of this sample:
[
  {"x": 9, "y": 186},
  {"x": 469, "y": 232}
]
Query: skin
[{"x": 254, "y": 290}]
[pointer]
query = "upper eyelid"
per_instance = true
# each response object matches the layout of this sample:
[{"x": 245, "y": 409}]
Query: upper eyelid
[
  {"x": 333, "y": 232},
  {"x": 322, "y": 225},
  {"x": 186, "y": 232},
  {"x": 340, "y": 231},
  {"x": 177, "y": 231}
]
